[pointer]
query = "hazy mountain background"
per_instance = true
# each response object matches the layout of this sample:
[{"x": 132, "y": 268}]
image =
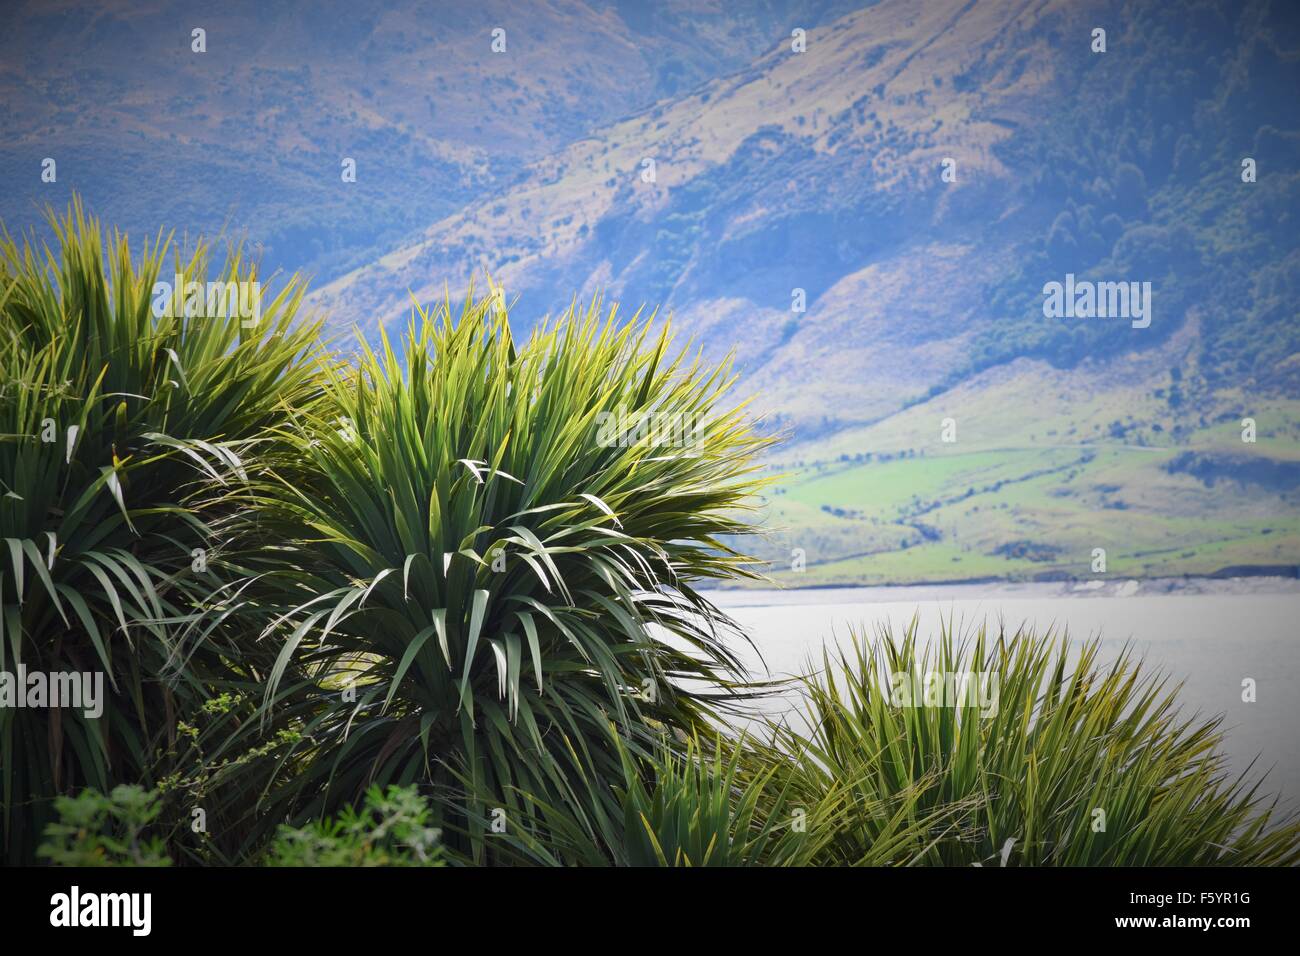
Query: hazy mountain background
[{"x": 778, "y": 171}]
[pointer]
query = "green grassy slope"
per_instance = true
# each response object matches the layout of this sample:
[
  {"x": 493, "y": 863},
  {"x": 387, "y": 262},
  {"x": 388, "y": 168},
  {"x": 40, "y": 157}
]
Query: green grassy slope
[{"x": 1048, "y": 464}]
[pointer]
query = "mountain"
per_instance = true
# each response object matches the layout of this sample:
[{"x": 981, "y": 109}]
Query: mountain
[
  {"x": 821, "y": 174},
  {"x": 821, "y": 171},
  {"x": 249, "y": 135},
  {"x": 863, "y": 203}
]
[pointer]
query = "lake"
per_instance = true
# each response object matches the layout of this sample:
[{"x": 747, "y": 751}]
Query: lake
[{"x": 1210, "y": 634}]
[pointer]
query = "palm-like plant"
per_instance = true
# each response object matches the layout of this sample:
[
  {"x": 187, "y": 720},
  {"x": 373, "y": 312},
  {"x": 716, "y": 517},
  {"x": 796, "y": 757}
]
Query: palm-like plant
[
  {"x": 495, "y": 551},
  {"x": 108, "y": 415},
  {"x": 1069, "y": 763}
]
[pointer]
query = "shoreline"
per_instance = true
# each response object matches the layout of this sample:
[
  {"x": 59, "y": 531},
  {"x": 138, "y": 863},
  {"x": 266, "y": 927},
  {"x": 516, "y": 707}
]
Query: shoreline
[{"x": 958, "y": 590}]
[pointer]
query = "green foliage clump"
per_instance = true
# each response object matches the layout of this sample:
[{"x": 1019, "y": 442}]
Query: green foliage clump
[
  {"x": 122, "y": 426},
  {"x": 686, "y": 805},
  {"x": 97, "y": 830},
  {"x": 1075, "y": 764},
  {"x": 694, "y": 813},
  {"x": 390, "y": 829}
]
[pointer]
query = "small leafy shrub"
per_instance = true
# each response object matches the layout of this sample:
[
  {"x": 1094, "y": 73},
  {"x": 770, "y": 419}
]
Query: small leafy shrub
[
  {"x": 97, "y": 830},
  {"x": 391, "y": 829}
]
